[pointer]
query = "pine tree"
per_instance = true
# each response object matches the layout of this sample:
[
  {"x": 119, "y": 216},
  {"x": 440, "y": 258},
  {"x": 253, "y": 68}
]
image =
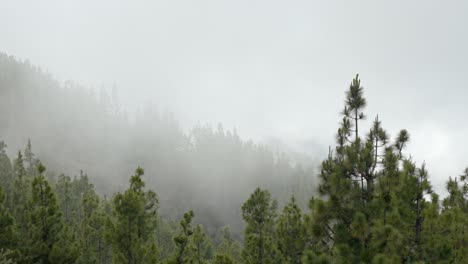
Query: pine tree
[
  {"x": 134, "y": 226},
  {"x": 228, "y": 245},
  {"x": 290, "y": 233},
  {"x": 374, "y": 195},
  {"x": 31, "y": 161},
  {"x": 21, "y": 194},
  {"x": 202, "y": 247},
  {"x": 454, "y": 218},
  {"x": 7, "y": 227},
  {"x": 6, "y": 176},
  {"x": 183, "y": 239},
  {"x": 354, "y": 104},
  {"x": 45, "y": 222},
  {"x": 165, "y": 233},
  {"x": 95, "y": 232},
  {"x": 66, "y": 249},
  {"x": 64, "y": 195},
  {"x": 259, "y": 211},
  {"x": 79, "y": 187},
  {"x": 435, "y": 245},
  {"x": 90, "y": 237},
  {"x": 347, "y": 178}
]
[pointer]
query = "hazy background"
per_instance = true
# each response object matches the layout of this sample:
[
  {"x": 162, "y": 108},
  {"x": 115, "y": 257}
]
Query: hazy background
[{"x": 275, "y": 70}]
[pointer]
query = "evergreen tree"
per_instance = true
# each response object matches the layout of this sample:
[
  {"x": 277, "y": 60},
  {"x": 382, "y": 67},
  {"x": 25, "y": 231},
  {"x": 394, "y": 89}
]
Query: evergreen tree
[
  {"x": 134, "y": 226},
  {"x": 31, "y": 161},
  {"x": 229, "y": 246},
  {"x": 454, "y": 219},
  {"x": 64, "y": 195},
  {"x": 93, "y": 245},
  {"x": 259, "y": 211},
  {"x": 99, "y": 231},
  {"x": 341, "y": 223},
  {"x": 79, "y": 187},
  {"x": 183, "y": 239},
  {"x": 6, "y": 176},
  {"x": 202, "y": 247},
  {"x": 374, "y": 195},
  {"x": 435, "y": 245},
  {"x": 7, "y": 228},
  {"x": 165, "y": 233},
  {"x": 377, "y": 206},
  {"x": 45, "y": 222},
  {"x": 70, "y": 192},
  {"x": 21, "y": 194},
  {"x": 66, "y": 249},
  {"x": 290, "y": 233}
]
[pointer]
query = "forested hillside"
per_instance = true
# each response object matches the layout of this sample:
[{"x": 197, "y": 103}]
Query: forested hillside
[
  {"x": 72, "y": 129},
  {"x": 373, "y": 203}
]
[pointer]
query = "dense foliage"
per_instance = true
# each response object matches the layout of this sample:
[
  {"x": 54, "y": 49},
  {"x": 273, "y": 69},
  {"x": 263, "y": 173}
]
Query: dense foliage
[{"x": 375, "y": 205}]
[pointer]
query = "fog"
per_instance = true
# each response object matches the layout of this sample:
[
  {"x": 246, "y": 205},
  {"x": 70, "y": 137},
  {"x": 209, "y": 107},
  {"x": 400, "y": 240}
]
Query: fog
[{"x": 276, "y": 71}]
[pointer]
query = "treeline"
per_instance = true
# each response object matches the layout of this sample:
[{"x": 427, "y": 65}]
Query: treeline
[
  {"x": 375, "y": 206},
  {"x": 209, "y": 170}
]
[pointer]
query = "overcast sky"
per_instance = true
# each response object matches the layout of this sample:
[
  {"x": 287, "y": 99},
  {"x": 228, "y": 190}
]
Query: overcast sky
[{"x": 273, "y": 69}]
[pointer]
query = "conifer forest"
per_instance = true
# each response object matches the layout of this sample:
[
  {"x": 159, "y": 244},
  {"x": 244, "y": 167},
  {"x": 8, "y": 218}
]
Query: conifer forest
[
  {"x": 369, "y": 202},
  {"x": 233, "y": 132}
]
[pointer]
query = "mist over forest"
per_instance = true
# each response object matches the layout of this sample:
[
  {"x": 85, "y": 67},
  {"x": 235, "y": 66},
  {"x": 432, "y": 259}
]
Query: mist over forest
[
  {"x": 233, "y": 132},
  {"x": 209, "y": 168},
  {"x": 378, "y": 204}
]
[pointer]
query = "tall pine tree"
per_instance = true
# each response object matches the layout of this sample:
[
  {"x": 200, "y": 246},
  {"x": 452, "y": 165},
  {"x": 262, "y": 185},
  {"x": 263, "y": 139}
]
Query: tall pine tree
[
  {"x": 45, "y": 223},
  {"x": 259, "y": 212},
  {"x": 134, "y": 226}
]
